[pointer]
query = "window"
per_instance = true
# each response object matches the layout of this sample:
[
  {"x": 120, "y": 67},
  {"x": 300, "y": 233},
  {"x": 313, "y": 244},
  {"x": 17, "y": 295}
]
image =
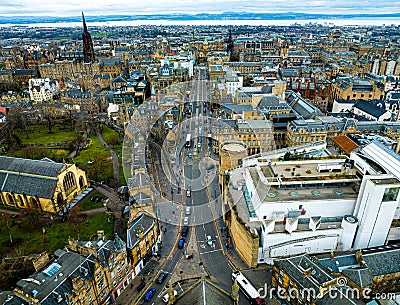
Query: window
[
  {"x": 115, "y": 283},
  {"x": 119, "y": 268},
  {"x": 112, "y": 274},
  {"x": 281, "y": 273},
  {"x": 87, "y": 286},
  {"x": 89, "y": 297},
  {"x": 390, "y": 194}
]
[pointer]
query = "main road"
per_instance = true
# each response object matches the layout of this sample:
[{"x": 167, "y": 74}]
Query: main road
[{"x": 199, "y": 173}]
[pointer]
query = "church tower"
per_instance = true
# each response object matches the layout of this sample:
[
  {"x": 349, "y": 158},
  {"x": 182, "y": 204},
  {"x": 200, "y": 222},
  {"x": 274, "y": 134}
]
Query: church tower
[
  {"x": 229, "y": 43},
  {"x": 88, "y": 51}
]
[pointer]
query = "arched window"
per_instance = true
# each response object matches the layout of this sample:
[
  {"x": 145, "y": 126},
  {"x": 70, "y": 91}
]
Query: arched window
[
  {"x": 81, "y": 182},
  {"x": 10, "y": 199},
  {"x": 21, "y": 202},
  {"x": 69, "y": 181},
  {"x": 60, "y": 199},
  {"x": 34, "y": 202}
]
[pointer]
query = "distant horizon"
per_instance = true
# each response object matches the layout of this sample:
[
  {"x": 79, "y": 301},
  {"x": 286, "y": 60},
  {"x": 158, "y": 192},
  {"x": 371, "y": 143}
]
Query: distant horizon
[
  {"x": 240, "y": 14},
  {"x": 61, "y": 8}
]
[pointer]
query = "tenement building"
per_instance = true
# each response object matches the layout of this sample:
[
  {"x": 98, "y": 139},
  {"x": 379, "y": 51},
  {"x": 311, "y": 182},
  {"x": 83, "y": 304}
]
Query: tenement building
[{"x": 86, "y": 273}]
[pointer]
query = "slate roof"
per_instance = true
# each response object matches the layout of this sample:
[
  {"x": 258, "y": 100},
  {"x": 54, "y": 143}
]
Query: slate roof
[
  {"x": 370, "y": 108},
  {"x": 14, "y": 300},
  {"x": 382, "y": 260},
  {"x": 204, "y": 293},
  {"x": 69, "y": 263},
  {"x": 119, "y": 79},
  {"x": 43, "y": 187},
  {"x": 304, "y": 108},
  {"x": 29, "y": 177},
  {"x": 361, "y": 276},
  {"x": 338, "y": 262},
  {"x": 297, "y": 265},
  {"x": 110, "y": 61},
  {"x": 28, "y": 166},
  {"x": 142, "y": 222}
]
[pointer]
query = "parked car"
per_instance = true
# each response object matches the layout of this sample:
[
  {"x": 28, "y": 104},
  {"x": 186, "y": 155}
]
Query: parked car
[
  {"x": 209, "y": 240},
  {"x": 185, "y": 231},
  {"x": 181, "y": 243},
  {"x": 141, "y": 286},
  {"x": 149, "y": 294},
  {"x": 185, "y": 221},
  {"x": 187, "y": 211},
  {"x": 162, "y": 277}
]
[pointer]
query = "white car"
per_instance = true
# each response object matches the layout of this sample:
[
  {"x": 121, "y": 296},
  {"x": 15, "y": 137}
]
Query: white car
[
  {"x": 209, "y": 240},
  {"x": 185, "y": 221},
  {"x": 166, "y": 296},
  {"x": 187, "y": 212}
]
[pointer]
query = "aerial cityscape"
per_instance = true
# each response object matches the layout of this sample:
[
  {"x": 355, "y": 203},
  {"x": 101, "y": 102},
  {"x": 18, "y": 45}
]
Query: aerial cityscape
[{"x": 209, "y": 152}]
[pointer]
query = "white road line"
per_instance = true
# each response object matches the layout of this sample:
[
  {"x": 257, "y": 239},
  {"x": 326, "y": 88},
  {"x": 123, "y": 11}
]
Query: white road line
[{"x": 211, "y": 251}]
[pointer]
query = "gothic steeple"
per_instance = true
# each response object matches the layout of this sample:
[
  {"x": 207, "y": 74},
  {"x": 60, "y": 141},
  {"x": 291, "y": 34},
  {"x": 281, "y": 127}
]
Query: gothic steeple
[
  {"x": 88, "y": 51},
  {"x": 229, "y": 44}
]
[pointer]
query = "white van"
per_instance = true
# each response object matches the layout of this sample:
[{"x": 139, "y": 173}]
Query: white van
[{"x": 166, "y": 296}]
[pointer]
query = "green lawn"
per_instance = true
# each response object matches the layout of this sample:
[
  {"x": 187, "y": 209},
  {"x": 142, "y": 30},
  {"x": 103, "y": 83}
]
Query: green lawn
[
  {"x": 39, "y": 135},
  {"x": 32, "y": 240},
  {"x": 101, "y": 168},
  {"x": 87, "y": 204}
]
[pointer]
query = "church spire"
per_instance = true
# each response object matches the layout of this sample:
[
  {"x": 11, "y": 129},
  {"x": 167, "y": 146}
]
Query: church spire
[
  {"x": 88, "y": 51},
  {"x": 84, "y": 23}
]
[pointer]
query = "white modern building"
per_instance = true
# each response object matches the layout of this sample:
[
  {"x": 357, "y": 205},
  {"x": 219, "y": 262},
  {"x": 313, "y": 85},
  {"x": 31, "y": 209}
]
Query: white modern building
[
  {"x": 43, "y": 89},
  {"x": 314, "y": 202}
]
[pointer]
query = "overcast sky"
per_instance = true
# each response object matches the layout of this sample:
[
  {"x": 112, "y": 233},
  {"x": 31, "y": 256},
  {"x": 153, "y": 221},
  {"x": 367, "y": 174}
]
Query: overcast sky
[{"x": 129, "y": 7}]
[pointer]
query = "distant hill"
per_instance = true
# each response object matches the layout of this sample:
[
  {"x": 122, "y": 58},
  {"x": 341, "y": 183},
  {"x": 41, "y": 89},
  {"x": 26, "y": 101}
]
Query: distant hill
[{"x": 202, "y": 16}]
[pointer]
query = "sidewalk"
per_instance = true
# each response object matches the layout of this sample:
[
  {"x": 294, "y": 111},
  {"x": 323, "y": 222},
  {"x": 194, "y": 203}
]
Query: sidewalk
[{"x": 188, "y": 268}]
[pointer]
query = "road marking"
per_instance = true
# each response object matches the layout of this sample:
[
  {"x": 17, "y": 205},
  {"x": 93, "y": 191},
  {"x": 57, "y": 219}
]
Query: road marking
[{"x": 211, "y": 251}]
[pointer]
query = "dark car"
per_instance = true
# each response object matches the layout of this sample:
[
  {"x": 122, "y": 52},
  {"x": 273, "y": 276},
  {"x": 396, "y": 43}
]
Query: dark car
[
  {"x": 162, "y": 277},
  {"x": 185, "y": 231},
  {"x": 181, "y": 243},
  {"x": 149, "y": 294},
  {"x": 141, "y": 286}
]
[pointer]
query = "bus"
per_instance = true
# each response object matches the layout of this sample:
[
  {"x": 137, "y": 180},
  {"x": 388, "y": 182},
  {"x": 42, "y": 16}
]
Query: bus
[
  {"x": 188, "y": 140},
  {"x": 247, "y": 288}
]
